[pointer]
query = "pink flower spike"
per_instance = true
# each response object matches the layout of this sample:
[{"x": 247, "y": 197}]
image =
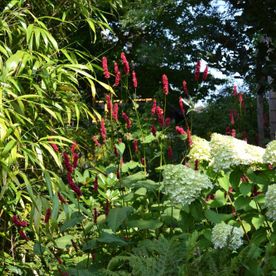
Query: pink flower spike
[
  {"x": 235, "y": 90},
  {"x": 125, "y": 63},
  {"x": 189, "y": 137},
  {"x": 153, "y": 109},
  {"x": 205, "y": 73},
  {"x": 55, "y": 147},
  {"x": 103, "y": 130},
  {"x": 23, "y": 235},
  {"x": 61, "y": 198},
  {"x": 165, "y": 84},
  {"x": 180, "y": 130},
  {"x": 96, "y": 184},
  {"x": 19, "y": 223},
  {"x": 105, "y": 68},
  {"x": 127, "y": 120},
  {"x": 108, "y": 103},
  {"x": 185, "y": 88},
  {"x": 134, "y": 80},
  {"x": 75, "y": 160},
  {"x": 96, "y": 141},
  {"x": 115, "y": 112},
  {"x": 197, "y": 70},
  {"x": 181, "y": 105},
  {"x": 73, "y": 147}
]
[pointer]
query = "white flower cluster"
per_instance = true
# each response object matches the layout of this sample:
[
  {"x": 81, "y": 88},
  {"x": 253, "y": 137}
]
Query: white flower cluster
[
  {"x": 224, "y": 235},
  {"x": 270, "y": 153},
  {"x": 183, "y": 184},
  {"x": 200, "y": 149},
  {"x": 270, "y": 201},
  {"x": 227, "y": 151}
]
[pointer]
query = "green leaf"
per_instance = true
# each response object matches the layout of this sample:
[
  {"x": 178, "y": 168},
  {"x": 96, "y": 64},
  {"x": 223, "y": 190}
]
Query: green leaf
[
  {"x": 111, "y": 238},
  {"x": 224, "y": 182},
  {"x": 89, "y": 245},
  {"x": 258, "y": 221},
  {"x": 131, "y": 179},
  {"x": 242, "y": 203},
  {"x": 130, "y": 166},
  {"x": 219, "y": 199},
  {"x": 216, "y": 217},
  {"x": 8, "y": 147},
  {"x": 145, "y": 224},
  {"x": 245, "y": 188},
  {"x": 64, "y": 241},
  {"x": 235, "y": 177},
  {"x": 75, "y": 219},
  {"x": 38, "y": 249},
  {"x": 117, "y": 216},
  {"x": 121, "y": 148}
]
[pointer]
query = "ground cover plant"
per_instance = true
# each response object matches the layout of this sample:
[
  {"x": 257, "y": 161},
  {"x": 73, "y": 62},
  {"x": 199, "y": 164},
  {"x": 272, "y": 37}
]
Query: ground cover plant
[{"x": 144, "y": 195}]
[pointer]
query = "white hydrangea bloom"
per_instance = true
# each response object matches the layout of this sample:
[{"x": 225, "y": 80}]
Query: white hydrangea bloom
[
  {"x": 183, "y": 184},
  {"x": 270, "y": 153},
  {"x": 200, "y": 149},
  {"x": 224, "y": 235},
  {"x": 270, "y": 201},
  {"x": 227, "y": 151}
]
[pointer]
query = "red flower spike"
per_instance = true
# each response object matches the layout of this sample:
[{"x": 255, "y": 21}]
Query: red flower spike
[
  {"x": 127, "y": 120},
  {"x": 23, "y": 235},
  {"x": 96, "y": 141},
  {"x": 160, "y": 115},
  {"x": 135, "y": 146},
  {"x": 170, "y": 152},
  {"x": 61, "y": 198},
  {"x": 168, "y": 121},
  {"x": 73, "y": 147},
  {"x": 134, "y": 80},
  {"x": 116, "y": 68},
  {"x": 117, "y": 79},
  {"x": 189, "y": 137},
  {"x": 105, "y": 68},
  {"x": 205, "y": 73},
  {"x": 185, "y": 88},
  {"x": 181, "y": 105},
  {"x": 165, "y": 84},
  {"x": 153, "y": 109},
  {"x": 59, "y": 260},
  {"x": 96, "y": 184},
  {"x": 125, "y": 63},
  {"x": 108, "y": 103},
  {"x": 180, "y": 130},
  {"x": 67, "y": 163},
  {"x": 233, "y": 132},
  {"x": 197, "y": 70},
  {"x": 19, "y": 223},
  {"x": 75, "y": 160},
  {"x": 115, "y": 112},
  {"x": 235, "y": 90},
  {"x": 231, "y": 116},
  {"x": 47, "y": 215},
  {"x": 103, "y": 130},
  {"x": 55, "y": 147},
  {"x": 153, "y": 130}
]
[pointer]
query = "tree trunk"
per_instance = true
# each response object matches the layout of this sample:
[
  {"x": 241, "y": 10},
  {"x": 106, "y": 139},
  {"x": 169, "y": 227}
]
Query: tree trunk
[
  {"x": 260, "y": 118},
  {"x": 272, "y": 114}
]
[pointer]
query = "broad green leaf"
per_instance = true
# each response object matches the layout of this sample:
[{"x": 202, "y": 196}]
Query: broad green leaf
[
  {"x": 121, "y": 148},
  {"x": 75, "y": 219},
  {"x": 216, "y": 217},
  {"x": 64, "y": 241},
  {"x": 145, "y": 224},
  {"x": 111, "y": 238},
  {"x": 117, "y": 216},
  {"x": 258, "y": 221}
]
